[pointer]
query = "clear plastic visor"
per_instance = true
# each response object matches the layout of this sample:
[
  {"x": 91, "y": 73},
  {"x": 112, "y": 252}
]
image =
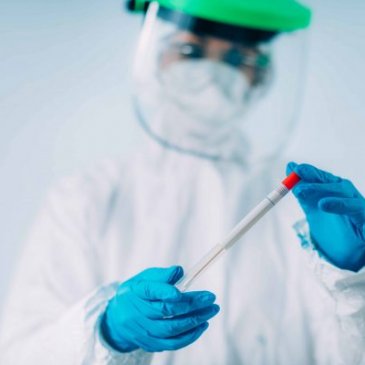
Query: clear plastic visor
[{"x": 199, "y": 85}]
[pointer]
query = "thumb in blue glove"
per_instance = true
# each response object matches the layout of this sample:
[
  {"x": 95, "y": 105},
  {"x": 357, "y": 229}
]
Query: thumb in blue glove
[
  {"x": 150, "y": 313},
  {"x": 335, "y": 211}
]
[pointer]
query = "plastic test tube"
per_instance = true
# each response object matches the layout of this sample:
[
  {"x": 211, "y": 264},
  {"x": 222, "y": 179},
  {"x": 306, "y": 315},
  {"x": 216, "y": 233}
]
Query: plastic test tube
[{"x": 238, "y": 231}]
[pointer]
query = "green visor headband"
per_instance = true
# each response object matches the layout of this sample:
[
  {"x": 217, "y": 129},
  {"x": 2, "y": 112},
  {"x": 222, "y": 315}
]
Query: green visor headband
[
  {"x": 199, "y": 26},
  {"x": 267, "y": 15}
]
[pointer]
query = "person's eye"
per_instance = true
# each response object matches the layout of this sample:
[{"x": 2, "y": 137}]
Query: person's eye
[
  {"x": 263, "y": 61},
  {"x": 190, "y": 50},
  {"x": 233, "y": 57},
  {"x": 237, "y": 58}
]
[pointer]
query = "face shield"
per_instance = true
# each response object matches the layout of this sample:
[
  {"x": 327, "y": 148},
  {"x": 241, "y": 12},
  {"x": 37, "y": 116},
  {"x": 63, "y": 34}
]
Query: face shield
[{"x": 214, "y": 90}]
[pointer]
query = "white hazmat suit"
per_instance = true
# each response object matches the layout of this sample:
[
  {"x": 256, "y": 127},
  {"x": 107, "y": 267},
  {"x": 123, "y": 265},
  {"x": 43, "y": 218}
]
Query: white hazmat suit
[{"x": 281, "y": 303}]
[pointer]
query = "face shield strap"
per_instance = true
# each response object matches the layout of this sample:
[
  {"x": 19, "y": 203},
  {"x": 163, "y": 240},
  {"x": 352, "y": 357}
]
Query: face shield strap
[{"x": 199, "y": 26}]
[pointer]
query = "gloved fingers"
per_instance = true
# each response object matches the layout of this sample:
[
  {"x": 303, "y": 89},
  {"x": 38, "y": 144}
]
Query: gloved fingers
[
  {"x": 189, "y": 302},
  {"x": 346, "y": 206},
  {"x": 168, "y": 275},
  {"x": 173, "y": 343},
  {"x": 316, "y": 191},
  {"x": 309, "y": 173},
  {"x": 152, "y": 290},
  {"x": 185, "y": 339},
  {"x": 169, "y": 327}
]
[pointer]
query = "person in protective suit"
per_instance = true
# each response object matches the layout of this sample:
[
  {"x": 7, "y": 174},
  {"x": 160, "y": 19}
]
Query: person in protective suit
[{"x": 216, "y": 90}]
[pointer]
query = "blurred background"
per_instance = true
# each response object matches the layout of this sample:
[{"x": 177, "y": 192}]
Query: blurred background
[{"x": 65, "y": 99}]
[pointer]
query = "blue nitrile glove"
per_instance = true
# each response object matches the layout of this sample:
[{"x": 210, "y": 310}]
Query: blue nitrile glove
[
  {"x": 150, "y": 313},
  {"x": 335, "y": 211}
]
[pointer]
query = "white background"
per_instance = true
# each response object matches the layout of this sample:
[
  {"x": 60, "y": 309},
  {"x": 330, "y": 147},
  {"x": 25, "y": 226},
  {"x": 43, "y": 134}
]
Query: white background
[{"x": 65, "y": 99}]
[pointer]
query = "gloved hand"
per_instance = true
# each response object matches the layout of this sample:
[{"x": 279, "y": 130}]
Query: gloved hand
[
  {"x": 335, "y": 211},
  {"x": 150, "y": 313}
]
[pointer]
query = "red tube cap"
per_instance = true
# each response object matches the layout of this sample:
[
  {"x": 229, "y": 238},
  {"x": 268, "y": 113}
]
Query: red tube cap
[{"x": 291, "y": 180}]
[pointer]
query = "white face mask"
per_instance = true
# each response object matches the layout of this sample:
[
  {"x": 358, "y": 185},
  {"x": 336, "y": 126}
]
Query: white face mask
[
  {"x": 207, "y": 91},
  {"x": 195, "y": 106}
]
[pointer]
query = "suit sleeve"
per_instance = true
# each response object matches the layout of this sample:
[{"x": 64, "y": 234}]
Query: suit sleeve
[
  {"x": 57, "y": 297},
  {"x": 339, "y": 334}
]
